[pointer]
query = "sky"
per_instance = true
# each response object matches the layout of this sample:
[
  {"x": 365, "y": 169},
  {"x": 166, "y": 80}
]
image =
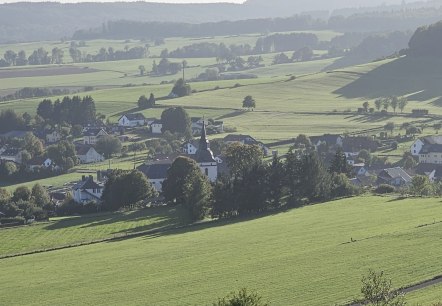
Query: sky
[{"x": 164, "y": 1}]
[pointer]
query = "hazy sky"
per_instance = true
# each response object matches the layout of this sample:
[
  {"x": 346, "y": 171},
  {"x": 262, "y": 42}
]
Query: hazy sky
[{"x": 165, "y": 1}]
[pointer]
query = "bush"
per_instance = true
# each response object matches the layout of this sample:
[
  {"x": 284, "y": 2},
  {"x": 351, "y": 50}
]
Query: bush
[
  {"x": 384, "y": 189},
  {"x": 242, "y": 298}
]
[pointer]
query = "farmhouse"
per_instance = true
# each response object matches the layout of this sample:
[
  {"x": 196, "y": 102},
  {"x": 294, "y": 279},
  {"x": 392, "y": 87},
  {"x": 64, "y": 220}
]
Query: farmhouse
[
  {"x": 88, "y": 155},
  {"x": 37, "y": 162},
  {"x": 190, "y": 147},
  {"x": 87, "y": 190},
  {"x": 246, "y": 140},
  {"x": 353, "y": 145},
  {"x": 91, "y": 135},
  {"x": 417, "y": 146},
  {"x": 156, "y": 127},
  {"x": 156, "y": 172},
  {"x": 359, "y": 169},
  {"x": 432, "y": 171},
  {"x": 132, "y": 120},
  {"x": 431, "y": 154},
  {"x": 394, "y": 176},
  {"x": 327, "y": 139},
  {"x": 53, "y": 136}
]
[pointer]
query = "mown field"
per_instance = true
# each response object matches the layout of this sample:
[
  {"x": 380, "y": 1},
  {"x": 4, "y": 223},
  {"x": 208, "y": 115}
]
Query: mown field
[
  {"x": 301, "y": 257},
  {"x": 428, "y": 296}
]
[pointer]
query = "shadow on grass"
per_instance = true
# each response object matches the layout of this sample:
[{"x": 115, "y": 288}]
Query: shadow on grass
[
  {"x": 160, "y": 216},
  {"x": 418, "y": 77},
  {"x": 231, "y": 115}
]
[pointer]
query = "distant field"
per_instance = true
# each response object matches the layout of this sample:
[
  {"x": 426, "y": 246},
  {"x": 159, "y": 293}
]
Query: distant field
[{"x": 300, "y": 257}]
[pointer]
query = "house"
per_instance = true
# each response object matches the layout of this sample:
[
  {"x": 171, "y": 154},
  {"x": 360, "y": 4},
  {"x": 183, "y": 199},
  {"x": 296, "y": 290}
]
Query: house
[
  {"x": 330, "y": 140},
  {"x": 394, "y": 176},
  {"x": 359, "y": 169},
  {"x": 87, "y": 190},
  {"x": 432, "y": 171},
  {"x": 11, "y": 154},
  {"x": 156, "y": 172},
  {"x": 205, "y": 159},
  {"x": 91, "y": 135},
  {"x": 246, "y": 140},
  {"x": 53, "y": 136},
  {"x": 417, "y": 146},
  {"x": 431, "y": 154},
  {"x": 132, "y": 120},
  {"x": 156, "y": 127},
  {"x": 37, "y": 162},
  {"x": 190, "y": 147},
  {"x": 88, "y": 155}
]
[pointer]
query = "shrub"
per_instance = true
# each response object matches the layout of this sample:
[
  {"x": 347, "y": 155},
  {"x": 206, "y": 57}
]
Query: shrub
[
  {"x": 242, "y": 298},
  {"x": 384, "y": 189}
]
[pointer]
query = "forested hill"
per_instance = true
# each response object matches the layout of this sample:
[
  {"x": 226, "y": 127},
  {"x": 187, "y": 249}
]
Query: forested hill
[{"x": 427, "y": 41}]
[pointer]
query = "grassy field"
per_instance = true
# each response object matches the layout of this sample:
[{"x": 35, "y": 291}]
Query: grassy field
[
  {"x": 72, "y": 230},
  {"x": 301, "y": 257},
  {"x": 426, "y": 297}
]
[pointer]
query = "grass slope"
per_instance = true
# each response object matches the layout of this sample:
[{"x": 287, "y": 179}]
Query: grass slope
[
  {"x": 301, "y": 257},
  {"x": 65, "y": 231},
  {"x": 427, "y": 296}
]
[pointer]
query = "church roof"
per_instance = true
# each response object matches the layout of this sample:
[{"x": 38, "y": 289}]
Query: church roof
[{"x": 204, "y": 154}]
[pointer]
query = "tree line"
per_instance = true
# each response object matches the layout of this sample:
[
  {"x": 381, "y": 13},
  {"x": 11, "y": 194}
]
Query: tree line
[
  {"x": 108, "y": 54},
  {"x": 38, "y": 57},
  {"x": 34, "y": 92}
]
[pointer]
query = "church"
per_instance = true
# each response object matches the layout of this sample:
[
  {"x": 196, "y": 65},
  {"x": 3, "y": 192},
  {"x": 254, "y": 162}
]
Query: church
[{"x": 204, "y": 157}]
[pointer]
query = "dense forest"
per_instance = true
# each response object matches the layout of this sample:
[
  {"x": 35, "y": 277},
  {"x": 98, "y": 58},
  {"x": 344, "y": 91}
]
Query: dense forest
[{"x": 427, "y": 41}]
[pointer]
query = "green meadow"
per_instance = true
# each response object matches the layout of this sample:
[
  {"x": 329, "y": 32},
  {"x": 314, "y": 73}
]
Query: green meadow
[{"x": 300, "y": 257}]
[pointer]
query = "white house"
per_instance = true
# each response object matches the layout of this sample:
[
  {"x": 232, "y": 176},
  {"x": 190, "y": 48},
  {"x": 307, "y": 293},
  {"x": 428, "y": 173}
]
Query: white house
[
  {"x": 36, "y": 162},
  {"x": 431, "y": 154},
  {"x": 132, "y": 120},
  {"x": 87, "y": 191},
  {"x": 327, "y": 139},
  {"x": 190, "y": 147},
  {"x": 88, "y": 155},
  {"x": 394, "y": 176},
  {"x": 156, "y": 172},
  {"x": 91, "y": 135},
  {"x": 359, "y": 169},
  {"x": 53, "y": 137},
  {"x": 156, "y": 127},
  {"x": 417, "y": 146}
]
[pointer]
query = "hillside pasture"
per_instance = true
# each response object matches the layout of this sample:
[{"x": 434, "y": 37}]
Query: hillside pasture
[{"x": 301, "y": 257}]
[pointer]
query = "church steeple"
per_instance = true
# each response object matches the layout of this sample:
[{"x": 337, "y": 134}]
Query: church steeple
[{"x": 204, "y": 154}]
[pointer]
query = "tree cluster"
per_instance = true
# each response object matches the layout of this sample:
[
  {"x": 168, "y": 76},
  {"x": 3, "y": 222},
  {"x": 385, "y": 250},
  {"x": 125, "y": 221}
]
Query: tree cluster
[
  {"x": 301, "y": 55},
  {"x": 144, "y": 102},
  {"x": 165, "y": 67},
  {"x": 75, "y": 110},
  {"x": 109, "y": 54},
  {"x": 25, "y": 204},
  {"x": 38, "y": 57},
  {"x": 10, "y": 120},
  {"x": 34, "y": 92},
  {"x": 176, "y": 121},
  {"x": 285, "y": 42}
]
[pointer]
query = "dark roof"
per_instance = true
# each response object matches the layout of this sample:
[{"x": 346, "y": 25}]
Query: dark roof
[
  {"x": 431, "y": 148},
  {"x": 392, "y": 173},
  {"x": 157, "y": 122},
  {"x": 330, "y": 139},
  {"x": 204, "y": 154},
  {"x": 426, "y": 169},
  {"x": 156, "y": 170},
  {"x": 82, "y": 149},
  {"x": 432, "y": 140},
  {"x": 241, "y": 138},
  {"x": 11, "y": 152},
  {"x": 87, "y": 183},
  {"x": 137, "y": 116},
  {"x": 93, "y": 131},
  {"x": 38, "y": 161}
]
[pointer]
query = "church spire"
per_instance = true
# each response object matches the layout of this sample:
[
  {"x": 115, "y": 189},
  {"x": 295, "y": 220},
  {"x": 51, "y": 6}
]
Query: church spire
[{"x": 204, "y": 142}]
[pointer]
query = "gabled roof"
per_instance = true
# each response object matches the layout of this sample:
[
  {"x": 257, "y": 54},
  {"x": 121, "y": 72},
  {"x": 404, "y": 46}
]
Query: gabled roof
[
  {"x": 134, "y": 117},
  {"x": 393, "y": 173},
  {"x": 240, "y": 138},
  {"x": 157, "y": 122},
  {"x": 330, "y": 139},
  {"x": 83, "y": 149},
  {"x": 10, "y": 152},
  {"x": 87, "y": 183},
  {"x": 38, "y": 161},
  {"x": 427, "y": 169},
  {"x": 431, "y": 140},
  {"x": 93, "y": 131},
  {"x": 156, "y": 170},
  {"x": 431, "y": 148}
]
